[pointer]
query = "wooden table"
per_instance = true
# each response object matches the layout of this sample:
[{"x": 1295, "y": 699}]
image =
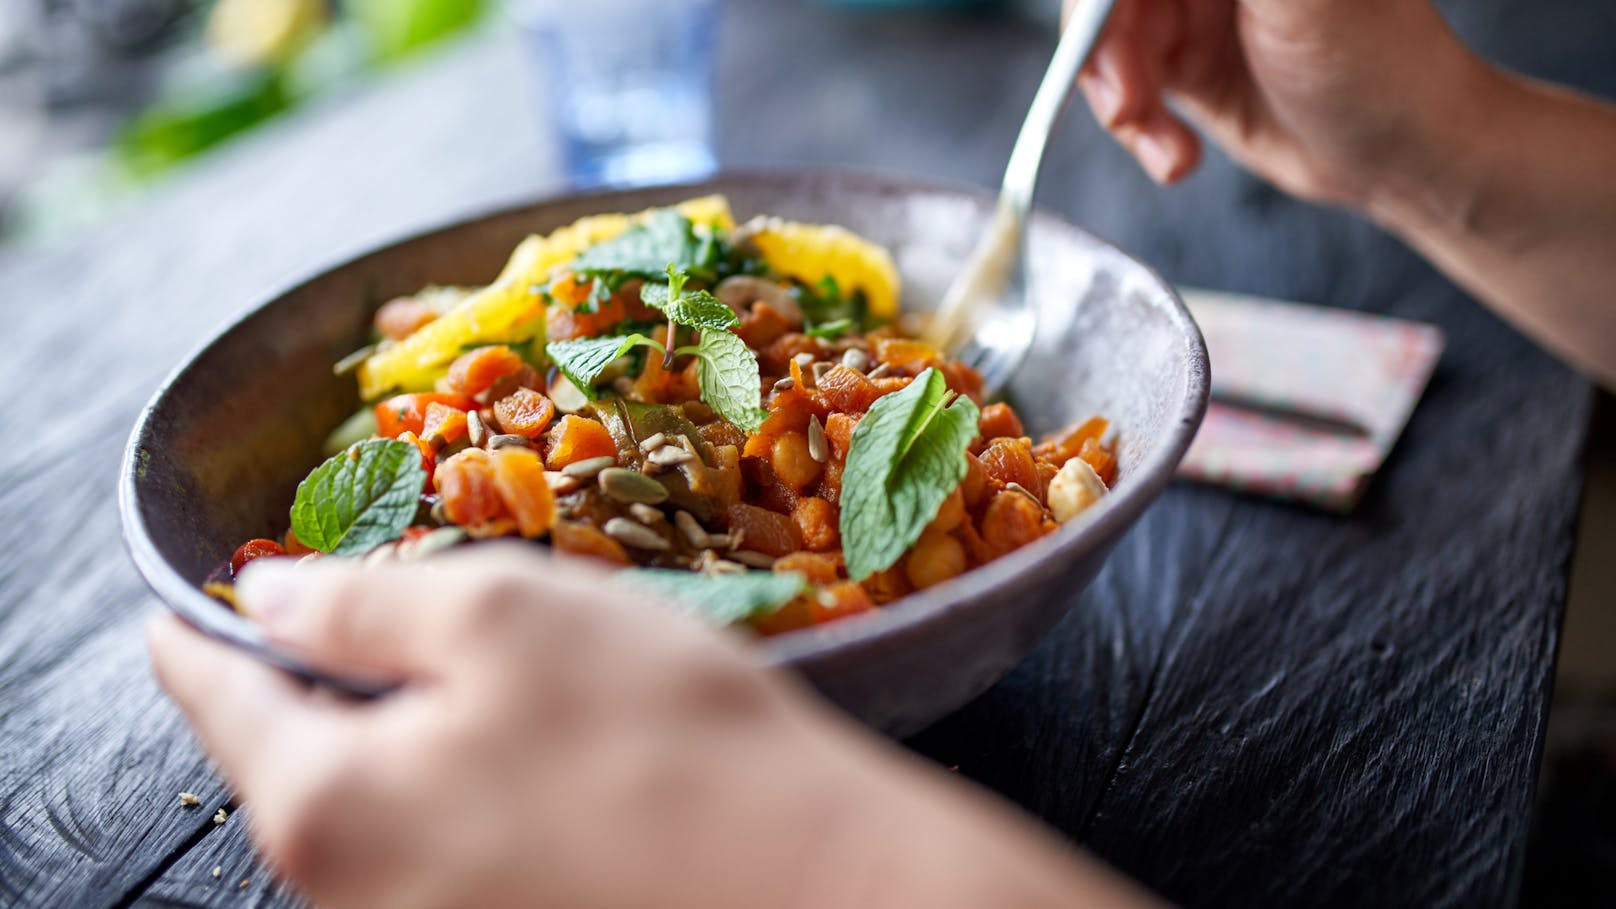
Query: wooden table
[{"x": 1255, "y": 704}]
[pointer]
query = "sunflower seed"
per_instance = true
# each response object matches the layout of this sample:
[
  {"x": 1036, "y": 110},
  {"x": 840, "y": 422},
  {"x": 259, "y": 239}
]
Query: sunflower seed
[
  {"x": 819, "y": 369},
  {"x": 566, "y": 396},
  {"x": 434, "y": 542},
  {"x": 646, "y": 514},
  {"x": 583, "y": 470},
  {"x": 817, "y": 448},
  {"x": 560, "y": 482},
  {"x": 856, "y": 359},
  {"x": 691, "y": 528},
  {"x": 786, "y": 383},
  {"x": 506, "y": 440},
  {"x": 440, "y": 514},
  {"x": 625, "y": 485},
  {"x": 804, "y": 359},
  {"x": 637, "y": 535},
  {"x": 669, "y": 456},
  {"x": 753, "y": 559},
  {"x": 734, "y": 540},
  {"x": 475, "y": 430},
  {"x": 881, "y": 372},
  {"x": 654, "y": 442},
  {"x": 724, "y": 566},
  {"x": 351, "y": 362},
  {"x": 1017, "y": 487}
]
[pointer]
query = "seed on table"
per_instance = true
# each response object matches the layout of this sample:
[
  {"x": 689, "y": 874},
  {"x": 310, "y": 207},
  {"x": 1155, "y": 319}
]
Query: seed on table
[
  {"x": 817, "y": 447},
  {"x": 475, "y": 430},
  {"x": 655, "y": 442},
  {"x": 646, "y": 514},
  {"x": 691, "y": 528},
  {"x": 583, "y": 470},
  {"x": 506, "y": 440},
  {"x": 856, "y": 359},
  {"x": 669, "y": 456},
  {"x": 625, "y": 485},
  {"x": 636, "y": 535},
  {"x": 881, "y": 372},
  {"x": 754, "y": 559},
  {"x": 786, "y": 383}
]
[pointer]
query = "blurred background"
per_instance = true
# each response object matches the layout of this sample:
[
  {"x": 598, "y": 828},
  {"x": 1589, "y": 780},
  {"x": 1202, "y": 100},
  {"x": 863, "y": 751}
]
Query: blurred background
[{"x": 108, "y": 107}]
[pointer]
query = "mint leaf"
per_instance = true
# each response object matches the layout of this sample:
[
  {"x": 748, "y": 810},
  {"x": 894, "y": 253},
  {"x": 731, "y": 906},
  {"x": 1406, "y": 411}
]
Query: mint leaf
[
  {"x": 906, "y": 456},
  {"x": 696, "y": 309},
  {"x": 644, "y": 251},
  {"x": 727, "y": 373},
  {"x": 724, "y": 598},
  {"x": 360, "y": 498},
  {"x": 830, "y": 330},
  {"x": 582, "y": 359}
]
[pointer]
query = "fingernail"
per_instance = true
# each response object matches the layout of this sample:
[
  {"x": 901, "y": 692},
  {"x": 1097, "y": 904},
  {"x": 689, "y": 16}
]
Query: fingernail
[
  {"x": 269, "y": 588},
  {"x": 1156, "y": 156}
]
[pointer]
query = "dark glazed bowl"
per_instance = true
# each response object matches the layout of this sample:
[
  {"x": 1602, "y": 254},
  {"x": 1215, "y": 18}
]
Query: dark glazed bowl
[{"x": 217, "y": 454}]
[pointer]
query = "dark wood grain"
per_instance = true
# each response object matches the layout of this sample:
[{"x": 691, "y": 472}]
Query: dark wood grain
[{"x": 1254, "y": 704}]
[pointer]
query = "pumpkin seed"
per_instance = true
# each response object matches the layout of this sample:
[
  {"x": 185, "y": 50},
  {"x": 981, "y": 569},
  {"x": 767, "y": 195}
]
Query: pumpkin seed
[
  {"x": 475, "y": 430},
  {"x": 583, "y": 470},
  {"x": 654, "y": 442},
  {"x": 724, "y": 566},
  {"x": 1013, "y": 486},
  {"x": 856, "y": 359},
  {"x": 669, "y": 456},
  {"x": 646, "y": 514},
  {"x": 691, "y": 528},
  {"x": 560, "y": 482},
  {"x": 786, "y": 383},
  {"x": 506, "y": 440},
  {"x": 753, "y": 559},
  {"x": 637, "y": 535},
  {"x": 817, "y": 447},
  {"x": 625, "y": 485}
]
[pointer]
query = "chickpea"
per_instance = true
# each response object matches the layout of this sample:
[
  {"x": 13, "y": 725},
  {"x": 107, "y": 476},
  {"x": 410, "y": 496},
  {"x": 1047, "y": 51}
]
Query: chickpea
[
  {"x": 950, "y": 514},
  {"x": 792, "y": 461},
  {"x": 935, "y": 558}
]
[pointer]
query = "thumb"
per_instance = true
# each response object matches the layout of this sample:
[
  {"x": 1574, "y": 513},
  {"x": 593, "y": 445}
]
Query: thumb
[{"x": 344, "y": 618}]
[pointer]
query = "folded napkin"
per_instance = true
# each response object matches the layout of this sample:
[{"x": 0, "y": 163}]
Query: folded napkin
[{"x": 1307, "y": 401}]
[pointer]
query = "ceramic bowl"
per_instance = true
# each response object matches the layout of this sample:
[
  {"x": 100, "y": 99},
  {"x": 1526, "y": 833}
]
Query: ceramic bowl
[{"x": 218, "y": 452}]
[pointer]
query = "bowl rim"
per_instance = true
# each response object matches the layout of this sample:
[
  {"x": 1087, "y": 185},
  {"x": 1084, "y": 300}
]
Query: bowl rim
[{"x": 879, "y": 628}]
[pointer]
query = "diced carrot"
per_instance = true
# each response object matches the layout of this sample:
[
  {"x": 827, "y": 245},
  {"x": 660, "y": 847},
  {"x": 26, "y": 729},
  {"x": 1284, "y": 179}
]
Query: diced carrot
[
  {"x": 897, "y": 352},
  {"x": 847, "y": 390},
  {"x": 830, "y": 485},
  {"x": 839, "y": 432},
  {"x": 841, "y": 599},
  {"x": 477, "y": 370},
  {"x": 1060, "y": 447},
  {"x": 525, "y": 412},
  {"x": 429, "y": 459},
  {"x": 999, "y": 421},
  {"x": 1102, "y": 460},
  {"x": 449, "y": 423},
  {"x": 575, "y": 439},
  {"x": 1011, "y": 521},
  {"x": 764, "y": 531},
  {"x": 962, "y": 379},
  {"x": 788, "y": 412},
  {"x": 1010, "y": 461},
  {"x": 886, "y": 586},
  {"x": 469, "y": 492},
  {"x": 400, "y": 318},
  {"x": 816, "y": 520},
  {"x": 564, "y": 318},
  {"x": 762, "y": 325},
  {"x": 407, "y": 413},
  {"x": 585, "y": 540},
  {"x": 774, "y": 359},
  {"x": 818, "y": 569},
  {"x": 519, "y": 476},
  {"x": 976, "y": 487},
  {"x": 256, "y": 549}
]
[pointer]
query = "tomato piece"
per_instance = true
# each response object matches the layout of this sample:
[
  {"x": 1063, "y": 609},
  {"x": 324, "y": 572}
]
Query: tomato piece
[
  {"x": 253, "y": 549},
  {"x": 407, "y": 413},
  {"x": 519, "y": 476},
  {"x": 575, "y": 439},
  {"x": 525, "y": 412},
  {"x": 477, "y": 370},
  {"x": 442, "y": 420}
]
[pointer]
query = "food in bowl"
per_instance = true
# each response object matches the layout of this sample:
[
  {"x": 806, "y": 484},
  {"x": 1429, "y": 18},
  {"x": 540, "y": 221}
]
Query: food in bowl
[{"x": 731, "y": 413}]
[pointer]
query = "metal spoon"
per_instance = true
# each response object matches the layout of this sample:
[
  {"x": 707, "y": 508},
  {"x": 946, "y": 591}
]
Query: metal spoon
[{"x": 985, "y": 316}]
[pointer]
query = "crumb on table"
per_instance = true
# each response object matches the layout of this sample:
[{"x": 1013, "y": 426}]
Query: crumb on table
[
  {"x": 189, "y": 800},
  {"x": 219, "y": 816}
]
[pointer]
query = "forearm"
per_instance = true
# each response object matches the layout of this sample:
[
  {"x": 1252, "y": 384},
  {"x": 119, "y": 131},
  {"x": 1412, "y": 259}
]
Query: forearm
[{"x": 1516, "y": 200}]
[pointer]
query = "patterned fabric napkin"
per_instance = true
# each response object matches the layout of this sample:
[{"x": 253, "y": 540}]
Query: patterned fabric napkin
[{"x": 1307, "y": 401}]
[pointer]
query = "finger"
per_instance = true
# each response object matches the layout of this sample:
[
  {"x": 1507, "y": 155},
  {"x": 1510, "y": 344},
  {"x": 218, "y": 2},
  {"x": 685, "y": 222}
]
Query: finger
[
  {"x": 1164, "y": 146},
  {"x": 1116, "y": 82},
  {"x": 240, "y": 708}
]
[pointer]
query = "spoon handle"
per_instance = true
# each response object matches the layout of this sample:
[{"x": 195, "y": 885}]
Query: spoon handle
[{"x": 1076, "y": 45}]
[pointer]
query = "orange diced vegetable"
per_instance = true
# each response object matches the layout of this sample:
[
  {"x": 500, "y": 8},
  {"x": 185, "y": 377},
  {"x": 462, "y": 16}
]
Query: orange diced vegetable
[
  {"x": 1010, "y": 461},
  {"x": 1060, "y": 447},
  {"x": 519, "y": 476},
  {"x": 448, "y": 423},
  {"x": 898, "y": 352},
  {"x": 575, "y": 439},
  {"x": 839, "y": 432},
  {"x": 1102, "y": 460},
  {"x": 818, "y": 569},
  {"x": 407, "y": 413},
  {"x": 585, "y": 540},
  {"x": 525, "y": 412},
  {"x": 999, "y": 421},
  {"x": 847, "y": 390},
  {"x": 479, "y": 369},
  {"x": 816, "y": 520},
  {"x": 1011, "y": 521},
  {"x": 469, "y": 491},
  {"x": 763, "y": 530}
]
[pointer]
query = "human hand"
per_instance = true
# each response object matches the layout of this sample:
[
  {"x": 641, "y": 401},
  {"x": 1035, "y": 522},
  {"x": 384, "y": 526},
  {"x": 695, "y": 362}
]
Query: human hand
[{"x": 1328, "y": 99}]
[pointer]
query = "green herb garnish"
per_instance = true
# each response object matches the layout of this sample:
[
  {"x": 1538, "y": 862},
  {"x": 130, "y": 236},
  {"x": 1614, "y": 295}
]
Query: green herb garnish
[
  {"x": 360, "y": 498},
  {"x": 728, "y": 376},
  {"x": 905, "y": 458},
  {"x": 644, "y": 251},
  {"x": 695, "y": 309},
  {"x": 582, "y": 360},
  {"x": 722, "y": 599},
  {"x": 829, "y": 330}
]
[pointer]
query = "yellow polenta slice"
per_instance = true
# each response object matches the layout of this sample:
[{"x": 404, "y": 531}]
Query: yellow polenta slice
[{"x": 813, "y": 252}]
